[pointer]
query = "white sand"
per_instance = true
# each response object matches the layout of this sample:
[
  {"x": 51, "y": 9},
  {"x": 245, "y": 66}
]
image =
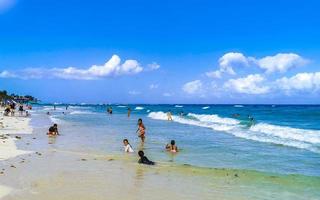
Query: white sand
[
  {"x": 4, "y": 191},
  {"x": 13, "y": 126},
  {"x": 10, "y": 127}
]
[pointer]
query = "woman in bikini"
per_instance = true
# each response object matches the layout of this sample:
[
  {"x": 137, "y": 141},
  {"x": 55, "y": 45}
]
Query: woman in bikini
[
  {"x": 141, "y": 130},
  {"x": 172, "y": 147}
]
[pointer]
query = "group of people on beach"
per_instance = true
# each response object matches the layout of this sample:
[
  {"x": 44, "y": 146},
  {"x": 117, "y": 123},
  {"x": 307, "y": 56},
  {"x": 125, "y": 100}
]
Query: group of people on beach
[
  {"x": 171, "y": 147},
  {"x": 10, "y": 109}
]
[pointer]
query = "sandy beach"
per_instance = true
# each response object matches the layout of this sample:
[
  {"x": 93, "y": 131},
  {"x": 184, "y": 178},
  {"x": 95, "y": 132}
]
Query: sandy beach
[{"x": 11, "y": 131}]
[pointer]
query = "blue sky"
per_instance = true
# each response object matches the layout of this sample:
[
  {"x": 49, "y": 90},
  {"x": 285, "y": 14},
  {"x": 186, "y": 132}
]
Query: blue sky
[{"x": 161, "y": 51}]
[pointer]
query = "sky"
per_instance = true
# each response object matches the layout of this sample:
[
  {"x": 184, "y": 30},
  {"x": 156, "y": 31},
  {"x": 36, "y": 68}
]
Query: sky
[{"x": 161, "y": 51}]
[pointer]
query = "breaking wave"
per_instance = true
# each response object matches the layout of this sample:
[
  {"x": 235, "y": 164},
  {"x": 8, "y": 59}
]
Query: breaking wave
[{"x": 262, "y": 132}]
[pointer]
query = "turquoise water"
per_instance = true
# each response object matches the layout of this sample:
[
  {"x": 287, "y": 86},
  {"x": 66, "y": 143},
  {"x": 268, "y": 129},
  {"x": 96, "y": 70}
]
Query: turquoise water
[{"x": 281, "y": 139}]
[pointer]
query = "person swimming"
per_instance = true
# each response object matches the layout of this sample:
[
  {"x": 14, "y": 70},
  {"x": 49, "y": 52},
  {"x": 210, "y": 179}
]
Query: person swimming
[
  {"x": 172, "y": 147},
  {"x": 127, "y": 146},
  {"x": 144, "y": 160},
  {"x": 141, "y": 130}
]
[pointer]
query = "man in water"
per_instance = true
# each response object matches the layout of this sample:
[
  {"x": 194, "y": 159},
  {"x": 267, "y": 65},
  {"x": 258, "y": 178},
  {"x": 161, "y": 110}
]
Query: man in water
[{"x": 143, "y": 159}]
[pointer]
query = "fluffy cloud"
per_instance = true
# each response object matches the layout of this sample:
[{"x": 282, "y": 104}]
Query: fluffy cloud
[
  {"x": 7, "y": 74},
  {"x": 281, "y": 62},
  {"x": 252, "y": 84},
  {"x": 153, "y": 66},
  {"x": 278, "y": 63},
  {"x": 192, "y": 87},
  {"x": 113, "y": 67},
  {"x": 300, "y": 82},
  {"x": 228, "y": 62}
]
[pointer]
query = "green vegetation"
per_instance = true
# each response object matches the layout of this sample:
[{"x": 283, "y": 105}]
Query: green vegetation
[{"x": 26, "y": 98}]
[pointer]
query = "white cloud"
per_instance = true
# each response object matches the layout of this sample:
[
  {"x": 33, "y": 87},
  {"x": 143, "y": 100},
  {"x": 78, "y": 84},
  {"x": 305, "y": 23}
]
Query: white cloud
[
  {"x": 228, "y": 62},
  {"x": 300, "y": 82},
  {"x": 113, "y": 67},
  {"x": 133, "y": 92},
  {"x": 281, "y": 62},
  {"x": 7, "y": 74},
  {"x": 214, "y": 74},
  {"x": 166, "y": 94},
  {"x": 192, "y": 87},
  {"x": 252, "y": 84},
  {"x": 153, "y": 86},
  {"x": 153, "y": 66}
]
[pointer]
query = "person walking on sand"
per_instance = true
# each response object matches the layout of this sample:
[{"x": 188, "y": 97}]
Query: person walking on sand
[{"x": 141, "y": 130}]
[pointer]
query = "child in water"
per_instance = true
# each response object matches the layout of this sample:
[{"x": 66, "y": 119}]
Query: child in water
[
  {"x": 172, "y": 147},
  {"x": 127, "y": 146},
  {"x": 141, "y": 130},
  {"x": 143, "y": 159}
]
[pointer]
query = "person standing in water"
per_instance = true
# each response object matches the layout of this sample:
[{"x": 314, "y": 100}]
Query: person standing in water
[
  {"x": 172, "y": 147},
  {"x": 109, "y": 110},
  {"x": 169, "y": 115},
  {"x": 141, "y": 130},
  {"x": 129, "y": 111}
]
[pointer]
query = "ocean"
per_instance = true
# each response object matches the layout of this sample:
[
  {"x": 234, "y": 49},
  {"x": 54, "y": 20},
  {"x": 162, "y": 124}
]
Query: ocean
[{"x": 276, "y": 139}]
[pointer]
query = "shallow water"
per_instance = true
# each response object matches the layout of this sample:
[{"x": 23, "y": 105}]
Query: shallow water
[{"x": 283, "y": 139}]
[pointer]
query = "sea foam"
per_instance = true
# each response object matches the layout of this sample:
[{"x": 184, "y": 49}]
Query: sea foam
[{"x": 261, "y": 132}]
